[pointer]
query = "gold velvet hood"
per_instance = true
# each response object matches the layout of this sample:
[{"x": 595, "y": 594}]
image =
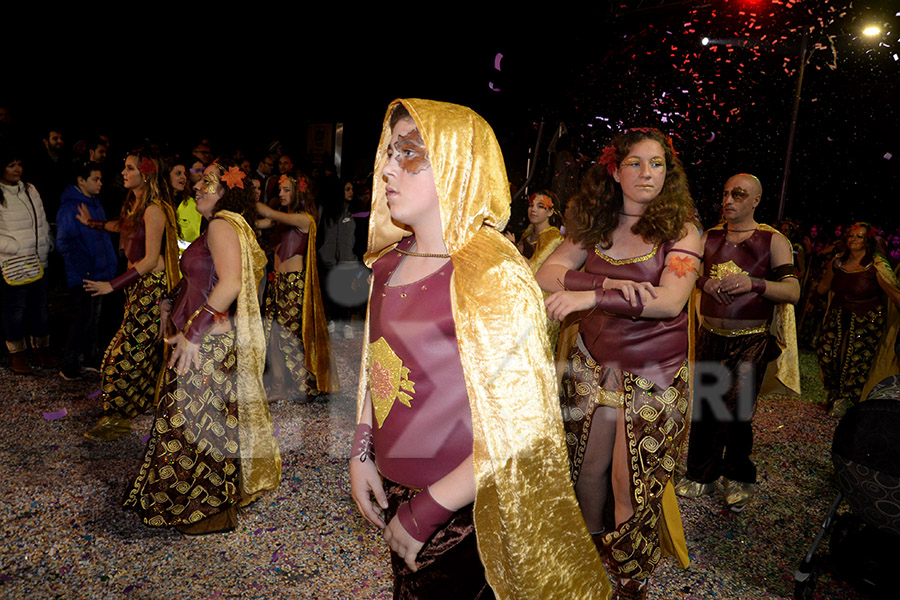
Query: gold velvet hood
[{"x": 531, "y": 536}]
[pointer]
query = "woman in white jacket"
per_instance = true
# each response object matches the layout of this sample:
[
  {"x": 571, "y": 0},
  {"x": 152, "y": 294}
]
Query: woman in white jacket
[{"x": 24, "y": 242}]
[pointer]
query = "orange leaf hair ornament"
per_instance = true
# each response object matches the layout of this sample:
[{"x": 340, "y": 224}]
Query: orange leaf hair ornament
[
  {"x": 608, "y": 158},
  {"x": 147, "y": 166},
  {"x": 542, "y": 198},
  {"x": 234, "y": 177},
  {"x": 303, "y": 184},
  {"x": 284, "y": 179}
]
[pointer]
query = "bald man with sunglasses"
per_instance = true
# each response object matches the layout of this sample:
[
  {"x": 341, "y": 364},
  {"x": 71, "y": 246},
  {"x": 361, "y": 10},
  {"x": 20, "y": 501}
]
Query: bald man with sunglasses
[{"x": 747, "y": 270}]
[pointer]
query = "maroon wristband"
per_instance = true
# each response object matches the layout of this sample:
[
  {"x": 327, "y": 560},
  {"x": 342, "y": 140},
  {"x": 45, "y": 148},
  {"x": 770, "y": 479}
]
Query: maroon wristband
[
  {"x": 758, "y": 286},
  {"x": 125, "y": 279},
  {"x": 363, "y": 446},
  {"x": 614, "y": 302},
  {"x": 579, "y": 281},
  {"x": 199, "y": 325},
  {"x": 422, "y": 516}
]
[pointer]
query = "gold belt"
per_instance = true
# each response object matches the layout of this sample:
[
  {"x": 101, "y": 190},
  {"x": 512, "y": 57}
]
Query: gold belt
[{"x": 734, "y": 332}]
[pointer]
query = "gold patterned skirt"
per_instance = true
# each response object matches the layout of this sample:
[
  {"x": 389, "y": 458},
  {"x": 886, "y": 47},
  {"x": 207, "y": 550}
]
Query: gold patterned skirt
[
  {"x": 283, "y": 318},
  {"x": 655, "y": 421},
  {"x": 192, "y": 462},
  {"x": 846, "y": 350},
  {"x": 134, "y": 358}
]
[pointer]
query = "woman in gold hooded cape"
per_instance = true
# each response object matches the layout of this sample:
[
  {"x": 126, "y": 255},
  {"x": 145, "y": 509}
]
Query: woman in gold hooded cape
[{"x": 530, "y": 534}]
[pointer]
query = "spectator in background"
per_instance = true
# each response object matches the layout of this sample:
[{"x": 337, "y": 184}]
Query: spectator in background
[
  {"x": 50, "y": 170},
  {"x": 87, "y": 254},
  {"x": 25, "y": 243}
]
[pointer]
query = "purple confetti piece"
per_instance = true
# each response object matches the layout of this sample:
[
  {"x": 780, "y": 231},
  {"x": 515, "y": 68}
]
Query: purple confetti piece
[
  {"x": 276, "y": 555},
  {"x": 51, "y": 416},
  {"x": 497, "y": 60},
  {"x": 94, "y": 395},
  {"x": 258, "y": 531},
  {"x": 888, "y": 156},
  {"x": 128, "y": 589},
  {"x": 145, "y": 438}
]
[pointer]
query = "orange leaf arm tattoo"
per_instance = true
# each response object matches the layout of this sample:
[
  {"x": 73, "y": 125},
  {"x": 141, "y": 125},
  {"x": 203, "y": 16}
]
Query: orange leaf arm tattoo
[{"x": 681, "y": 265}]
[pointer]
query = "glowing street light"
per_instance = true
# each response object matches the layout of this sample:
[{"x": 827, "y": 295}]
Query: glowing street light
[{"x": 872, "y": 30}]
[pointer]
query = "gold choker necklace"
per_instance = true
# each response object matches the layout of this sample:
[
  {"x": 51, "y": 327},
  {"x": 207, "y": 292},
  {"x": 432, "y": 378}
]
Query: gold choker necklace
[{"x": 422, "y": 254}]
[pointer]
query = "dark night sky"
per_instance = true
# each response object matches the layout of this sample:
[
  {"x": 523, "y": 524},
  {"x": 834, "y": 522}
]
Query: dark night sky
[{"x": 728, "y": 108}]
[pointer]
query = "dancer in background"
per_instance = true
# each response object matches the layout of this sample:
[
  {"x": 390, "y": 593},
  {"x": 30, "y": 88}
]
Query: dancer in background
[
  {"x": 540, "y": 239},
  {"x": 299, "y": 345},
  {"x": 747, "y": 290},
  {"x": 212, "y": 448},
  {"x": 133, "y": 364},
  {"x": 861, "y": 282},
  {"x": 458, "y": 400},
  {"x": 625, "y": 387}
]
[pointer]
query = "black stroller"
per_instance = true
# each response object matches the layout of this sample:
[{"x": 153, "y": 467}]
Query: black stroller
[{"x": 865, "y": 543}]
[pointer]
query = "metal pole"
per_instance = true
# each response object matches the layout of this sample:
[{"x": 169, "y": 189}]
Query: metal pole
[{"x": 793, "y": 129}]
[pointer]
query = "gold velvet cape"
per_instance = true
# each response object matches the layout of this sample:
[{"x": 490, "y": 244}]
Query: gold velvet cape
[
  {"x": 260, "y": 458},
  {"x": 316, "y": 341},
  {"x": 531, "y": 535}
]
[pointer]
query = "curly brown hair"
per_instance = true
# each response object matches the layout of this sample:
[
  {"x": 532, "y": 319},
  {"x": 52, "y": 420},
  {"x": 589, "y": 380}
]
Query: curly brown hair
[
  {"x": 236, "y": 199},
  {"x": 593, "y": 213}
]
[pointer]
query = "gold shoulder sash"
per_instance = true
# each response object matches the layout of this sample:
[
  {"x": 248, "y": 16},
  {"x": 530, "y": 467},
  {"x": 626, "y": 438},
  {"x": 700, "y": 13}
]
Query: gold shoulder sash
[
  {"x": 260, "y": 458},
  {"x": 316, "y": 341}
]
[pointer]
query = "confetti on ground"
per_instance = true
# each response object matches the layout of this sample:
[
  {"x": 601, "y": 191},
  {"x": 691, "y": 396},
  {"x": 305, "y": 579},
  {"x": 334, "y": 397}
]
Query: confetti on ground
[{"x": 65, "y": 534}]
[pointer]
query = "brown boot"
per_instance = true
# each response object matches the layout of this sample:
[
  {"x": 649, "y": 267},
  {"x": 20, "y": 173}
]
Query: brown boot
[
  {"x": 18, "y": 360},
  {"x": 41, "y": 347}
]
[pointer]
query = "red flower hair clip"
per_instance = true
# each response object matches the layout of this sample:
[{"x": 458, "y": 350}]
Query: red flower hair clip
[
  {"x": 234, "y": 177},
  {"x": 147, "y": 166},
  {"x": 608, "y": 158},
  {"x": 303, "y": 184},
  {"x": 284, "y": 179}
]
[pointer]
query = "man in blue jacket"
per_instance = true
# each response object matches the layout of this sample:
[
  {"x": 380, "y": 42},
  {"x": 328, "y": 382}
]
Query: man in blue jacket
[{"x": 87, "y": 254}]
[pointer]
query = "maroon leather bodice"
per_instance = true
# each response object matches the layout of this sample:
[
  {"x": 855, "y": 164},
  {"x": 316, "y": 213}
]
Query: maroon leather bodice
[
  {"x": 418, "y": 444},
  {"x": 291, "y": 242},
  {"x": 198, "y": 279},
  {"x": 650, "y": 348},
  {"x": 753, "y": 256},
  {"x": 133, "y": 242},
  {"x": 857, "y": 291}
]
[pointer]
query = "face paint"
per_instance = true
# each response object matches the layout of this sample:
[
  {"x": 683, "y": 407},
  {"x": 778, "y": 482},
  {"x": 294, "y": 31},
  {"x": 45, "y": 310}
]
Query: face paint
[
  {"x": 210, "y": 183},
  {"x": 412, "y": 155}
]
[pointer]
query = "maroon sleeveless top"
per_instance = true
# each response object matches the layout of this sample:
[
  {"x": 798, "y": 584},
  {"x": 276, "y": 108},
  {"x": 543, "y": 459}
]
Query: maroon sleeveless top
[
  {"x": 752, "y": 256},
  {"x": 133, "y": 242},
  {"x": 422, "y": 425},
  {"x": 857, "y": 291},
  {"x": 651, "y": 348},
  {"x": 198, "y": 279},
  {"x": 291, "y": 242}
]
